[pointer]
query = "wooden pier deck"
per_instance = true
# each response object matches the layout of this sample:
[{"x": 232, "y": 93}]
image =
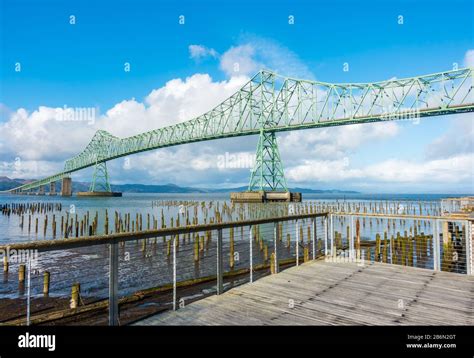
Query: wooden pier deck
[{"x": 329, "y": 293}]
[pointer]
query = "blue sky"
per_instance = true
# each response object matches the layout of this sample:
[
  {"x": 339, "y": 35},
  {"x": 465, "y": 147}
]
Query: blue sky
[{"x": 81, "y": 65}]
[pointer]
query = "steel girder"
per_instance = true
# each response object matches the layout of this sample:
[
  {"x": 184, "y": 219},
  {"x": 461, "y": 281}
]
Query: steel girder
[{"x": 275, "y": 103}]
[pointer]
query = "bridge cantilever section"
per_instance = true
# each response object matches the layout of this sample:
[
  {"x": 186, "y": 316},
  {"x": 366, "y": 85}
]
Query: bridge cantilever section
[{"x": 269, "y": 103}]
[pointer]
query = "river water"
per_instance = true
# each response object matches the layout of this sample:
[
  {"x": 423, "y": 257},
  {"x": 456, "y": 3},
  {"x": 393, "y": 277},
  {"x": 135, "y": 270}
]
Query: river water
[{"x": 145, "y": 265}]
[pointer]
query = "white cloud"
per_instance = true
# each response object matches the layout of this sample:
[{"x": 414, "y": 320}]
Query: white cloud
[
  {"x": 41, "y": 136},
  {"x": 198, "y": 52},
  {"x": 459, "y": 139},
  {"x": 252, "y": 54},
  {"x": 320, "y": 170},
  {"x": 240, "y": 60},
  {"x": 18, "y": 168},
  {"x": 335, "y": 142},
  {"x": 256, "y": 53},
  {"x": 449, "y": 171},
  {"x": 469, "y": 58}
]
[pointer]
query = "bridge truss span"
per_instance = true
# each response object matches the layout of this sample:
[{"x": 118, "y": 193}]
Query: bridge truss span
[{"x": 270, "y": 103}]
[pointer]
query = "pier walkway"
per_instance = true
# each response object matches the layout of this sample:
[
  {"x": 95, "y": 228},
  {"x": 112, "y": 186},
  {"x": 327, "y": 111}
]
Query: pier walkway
[{"x": 333, "y": 293}]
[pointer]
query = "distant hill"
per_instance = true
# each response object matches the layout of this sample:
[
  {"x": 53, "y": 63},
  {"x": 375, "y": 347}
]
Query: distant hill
[{"x": 7, "y": 183}]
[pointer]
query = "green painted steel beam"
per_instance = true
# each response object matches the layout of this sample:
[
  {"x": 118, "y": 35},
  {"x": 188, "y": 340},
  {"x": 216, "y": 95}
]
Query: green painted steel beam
[
  {"x": 100, "y": 179},
  {"x": 273, "y": 103}
]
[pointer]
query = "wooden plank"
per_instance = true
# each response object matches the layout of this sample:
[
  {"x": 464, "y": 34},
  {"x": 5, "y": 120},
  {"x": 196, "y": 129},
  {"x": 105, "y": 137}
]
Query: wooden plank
[{"x": 331, "y": 293}]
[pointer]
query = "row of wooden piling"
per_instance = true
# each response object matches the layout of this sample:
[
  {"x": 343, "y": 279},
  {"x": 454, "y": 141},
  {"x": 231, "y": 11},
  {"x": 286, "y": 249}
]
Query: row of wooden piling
[
  {"x": 191, "y": 213},
  {"x": 29, "y": 208}
]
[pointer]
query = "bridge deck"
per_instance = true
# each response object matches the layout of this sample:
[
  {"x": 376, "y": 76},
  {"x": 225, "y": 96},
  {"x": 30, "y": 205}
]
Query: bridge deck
[{"x": 324, "y": 293}]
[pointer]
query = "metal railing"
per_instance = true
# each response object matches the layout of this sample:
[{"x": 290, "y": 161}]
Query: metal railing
[
  {"x": 440, "y": 243},
  {"x": 106, "y": 271},
  {"x": 177, "y": 265}
]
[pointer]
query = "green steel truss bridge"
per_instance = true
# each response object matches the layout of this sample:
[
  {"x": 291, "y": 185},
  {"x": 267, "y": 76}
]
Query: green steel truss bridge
[{"x": 269, "y": 103}]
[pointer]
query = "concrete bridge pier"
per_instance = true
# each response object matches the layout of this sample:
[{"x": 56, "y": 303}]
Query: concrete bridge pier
[
  {"x": 52, "y": 188},
  {"x": 41, "y": 190},
  {"x": 66, "y": 186}
]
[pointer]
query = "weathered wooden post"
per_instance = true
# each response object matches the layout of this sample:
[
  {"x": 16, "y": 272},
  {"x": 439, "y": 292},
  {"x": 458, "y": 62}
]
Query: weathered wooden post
[
  {"x": 377, "y": 247},
  {"x": 196, "y": 248},
  {"x": 21, "y": 273},
  {"x": 46, "y": 280},
  {"x": 75, "y": 294},
  {"x": 306, "y": 254},
  {"x": 5, "y": 263}
]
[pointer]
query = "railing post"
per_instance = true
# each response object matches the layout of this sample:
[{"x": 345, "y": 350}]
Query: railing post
[
  {"x": 390, "y": 246},
  {"x": 275, "y": 245},
  {"x": 28, "y": 292},
  {"x": 251, "y": 254},
  {"x": 436, "y": 248},
  {"x": 314, "y": 231},
  {"x": 351, "y": 240},
  {"x": 326, "y": 235},
  {"x": 331, "y": 223},
  {"x": 220, "y": 275},
  {"x": 297, "y": 244},
  {"x": 174, "y": 243},
  {"x": 113, "y": 284},
  {"x": 468, "y": 238}
]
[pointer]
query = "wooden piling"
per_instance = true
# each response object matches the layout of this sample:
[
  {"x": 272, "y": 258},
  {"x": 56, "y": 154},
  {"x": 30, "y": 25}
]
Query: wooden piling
[
  {"x": 46, "y": 279},
  {"x": 75, "y": 295},
  {"x": 5, "y": 264},
  {"x": 21, "y": 273},
  {"x": 306, "y": 254},
  {"x": 196, "y": 248},
  {"x": 272, "y": 263}
]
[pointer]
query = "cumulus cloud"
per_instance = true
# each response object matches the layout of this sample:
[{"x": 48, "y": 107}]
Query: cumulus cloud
[
  {"x": 198, "y": 52},
  {"x": 335, "y": 142},
  {"x": 255, "y": 53},
  {"x": 26, "y": 169},
  {"x": 432, "y": 173},
  {"x": 240, "y": 59},
  {"x": 43, "y": 135},
  {"x": 459, "y": 139}
]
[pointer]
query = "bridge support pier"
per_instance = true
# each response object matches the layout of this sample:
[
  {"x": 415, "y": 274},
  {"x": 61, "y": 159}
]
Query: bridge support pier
[
  {"x": 41, "y": 190},
  {"x": 52, "y": 188},
  {"x": 267, "y": 180},
  {"x": 100, "y": 185},
  {"x": 66, "y": 186}
]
